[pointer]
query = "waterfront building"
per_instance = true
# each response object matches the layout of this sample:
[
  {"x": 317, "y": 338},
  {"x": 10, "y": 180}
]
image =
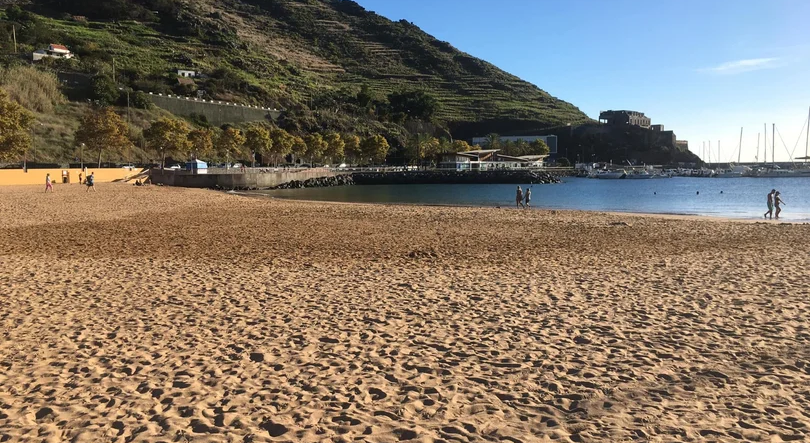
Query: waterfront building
[{"x": 624, "y": 117}]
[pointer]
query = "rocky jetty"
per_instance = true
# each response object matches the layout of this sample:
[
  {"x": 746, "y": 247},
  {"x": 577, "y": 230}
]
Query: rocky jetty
[
  {"x": 320, "y": 182},
  {"x": 455, "y": 177}
]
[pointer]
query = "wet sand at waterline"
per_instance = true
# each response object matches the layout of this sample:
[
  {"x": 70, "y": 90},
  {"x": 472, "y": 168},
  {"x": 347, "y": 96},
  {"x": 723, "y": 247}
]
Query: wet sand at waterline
[{"x": 159, "y": 314}]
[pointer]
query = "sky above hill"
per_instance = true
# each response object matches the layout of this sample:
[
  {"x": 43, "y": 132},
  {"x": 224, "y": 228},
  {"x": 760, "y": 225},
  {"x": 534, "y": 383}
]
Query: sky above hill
[{"x": 701, "y": 68}]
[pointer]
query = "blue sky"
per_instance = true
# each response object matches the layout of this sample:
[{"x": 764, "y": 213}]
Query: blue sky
[{"x": 703, "y": 68}]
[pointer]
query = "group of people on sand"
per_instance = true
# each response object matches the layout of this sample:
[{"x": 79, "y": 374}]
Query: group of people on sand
[
  {"x": 90, "y": 181},
  {"x": 774, "y": 200},
  {"x": 522, "y": 199}
]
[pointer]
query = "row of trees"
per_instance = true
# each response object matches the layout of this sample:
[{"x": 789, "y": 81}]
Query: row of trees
[
  {"x": 516, "y": 148},
  {"x": 271, "y": 144},
  {"x": 101, "y": 129}
]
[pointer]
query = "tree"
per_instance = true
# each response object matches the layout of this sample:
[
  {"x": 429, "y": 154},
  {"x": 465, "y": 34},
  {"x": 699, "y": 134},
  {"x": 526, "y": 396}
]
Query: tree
[
  {"x": 461, "y": 146},
  {"x": 563, "y": 162},
  {"x": 102, "y": 128},
  {"x": 15, "y": 128},
  {"x": 375, "y": 148},
  {"x": 521, "y": 147},
  {"x": 352, "y": 148},
  {"x": 169, "y": 136},
  {"x": 422, "y": 146},
  {"x": 283, "y": 143},
  {"x": 335, "y": 146},
  {"x": 230, "y": 143},
  {"x": 414, "y": 104},
  {"x": 493, "y": 141},
  {"x": 202, "y": 142},
  {"x": 299, "y": 147},
  {"x": 258, "y": 140},
  {"x": 104, "y": 90},
  {"x": 316, "y": 146},
  {"x": 538, "y": 147}
]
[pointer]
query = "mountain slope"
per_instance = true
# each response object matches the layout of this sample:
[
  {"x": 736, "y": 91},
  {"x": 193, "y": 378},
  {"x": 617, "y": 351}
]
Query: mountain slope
[{"x": 313, "y": 53}]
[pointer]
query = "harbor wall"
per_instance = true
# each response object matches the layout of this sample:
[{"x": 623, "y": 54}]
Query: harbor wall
[{"x": 247, "y": 180}]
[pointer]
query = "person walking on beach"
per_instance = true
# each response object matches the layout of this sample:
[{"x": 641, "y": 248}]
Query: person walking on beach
[
  {"x": 80, "y": 178},
  {"x": 770, "y": 204},
  {"x": 777, "y": 201},
  {"x": 528, "y": 196},
  {"x": 519, "y": 198},
  {"x": 48, "y": 184},
  {"x": 91, "y": 182}
]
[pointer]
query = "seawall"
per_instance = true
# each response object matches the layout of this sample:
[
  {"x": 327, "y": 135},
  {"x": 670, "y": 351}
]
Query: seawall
[
  {"x": 237, "y": 180},
  {"x": 217, "y": 113},
  {"x": 37, "y": 176}
]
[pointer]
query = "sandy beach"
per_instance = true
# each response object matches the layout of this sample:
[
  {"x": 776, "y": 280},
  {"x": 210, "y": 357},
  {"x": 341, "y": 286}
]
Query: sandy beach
[{"x": 170, "y": 315}]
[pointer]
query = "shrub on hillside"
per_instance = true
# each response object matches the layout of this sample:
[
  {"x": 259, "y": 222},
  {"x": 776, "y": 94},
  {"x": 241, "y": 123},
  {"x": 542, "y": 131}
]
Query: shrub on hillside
[
  {"x": 34, "y": 89},
  {"x": 141, "y": 100}
]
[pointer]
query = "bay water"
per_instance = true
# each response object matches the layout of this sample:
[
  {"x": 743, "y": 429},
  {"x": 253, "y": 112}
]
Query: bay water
[{"x": 743, "y": 198}]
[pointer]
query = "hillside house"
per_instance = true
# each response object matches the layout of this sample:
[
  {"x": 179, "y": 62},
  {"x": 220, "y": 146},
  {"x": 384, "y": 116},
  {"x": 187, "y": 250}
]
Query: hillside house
[
  {"x": 186, "y": 73},
  {"x": 53, "y": 51}
]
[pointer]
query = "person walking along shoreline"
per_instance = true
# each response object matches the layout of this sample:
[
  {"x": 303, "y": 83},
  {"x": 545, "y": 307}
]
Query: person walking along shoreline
[{"x": 770, "y": 204}]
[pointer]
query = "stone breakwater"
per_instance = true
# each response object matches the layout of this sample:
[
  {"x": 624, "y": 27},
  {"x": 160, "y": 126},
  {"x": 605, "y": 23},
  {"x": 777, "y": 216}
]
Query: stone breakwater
[
  {"x": 319, "y": 182},
  {"x": 455, "y": 177}
]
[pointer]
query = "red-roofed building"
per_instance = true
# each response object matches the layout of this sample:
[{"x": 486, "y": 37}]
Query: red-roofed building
[{"x": 53, "y": 51}]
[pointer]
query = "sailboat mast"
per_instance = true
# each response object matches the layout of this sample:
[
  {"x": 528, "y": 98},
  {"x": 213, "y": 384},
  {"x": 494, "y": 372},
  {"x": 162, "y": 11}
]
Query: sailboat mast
[
  {"x": 756, "y": 159},
  {"x": 773, "y": 145},
  {"x": 710, "y": 151},
  {"x": 807, "y": 140},
  {"x": 765, "y": 144},
  {"x": 739, "y": 150},
  {"x": 718, "y": 152}
]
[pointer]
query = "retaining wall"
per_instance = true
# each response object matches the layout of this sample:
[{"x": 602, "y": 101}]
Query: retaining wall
[
  {"x": 37, "y": 176},
  {"x": 217, "y": 113},
  {"x": 245, "y": 180}
]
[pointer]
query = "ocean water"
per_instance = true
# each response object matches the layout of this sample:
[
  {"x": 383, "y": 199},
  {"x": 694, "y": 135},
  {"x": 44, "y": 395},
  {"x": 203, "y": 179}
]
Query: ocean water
[{"x": 743, "y": 198}]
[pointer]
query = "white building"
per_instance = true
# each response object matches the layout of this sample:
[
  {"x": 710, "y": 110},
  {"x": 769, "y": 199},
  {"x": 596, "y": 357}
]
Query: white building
[
  {"x": 53, "y": 51},
  {"x": 488, "y": 160},
  {"x": 186, "y": 73},
  {"x": 551, "y": 140}
]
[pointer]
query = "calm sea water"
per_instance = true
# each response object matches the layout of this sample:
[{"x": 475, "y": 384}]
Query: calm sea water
[{"x": 731, "y": 197}]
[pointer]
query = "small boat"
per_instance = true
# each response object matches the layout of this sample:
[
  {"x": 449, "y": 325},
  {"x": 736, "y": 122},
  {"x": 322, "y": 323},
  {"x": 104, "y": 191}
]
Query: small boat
[
  {"x": 734, "y": 171},
  {"x": 614, "y": 174},
  {"x": 639, "y": 175}
]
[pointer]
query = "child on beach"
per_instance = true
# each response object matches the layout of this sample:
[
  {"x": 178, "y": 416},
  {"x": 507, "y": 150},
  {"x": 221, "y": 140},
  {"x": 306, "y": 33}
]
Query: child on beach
[
  {"x": 48, "y": 184},
  {"x": 91, "y": 184}
]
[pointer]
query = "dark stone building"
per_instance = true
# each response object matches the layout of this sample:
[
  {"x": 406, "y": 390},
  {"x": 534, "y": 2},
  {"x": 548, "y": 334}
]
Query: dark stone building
[{"x": 619, "y": 118}]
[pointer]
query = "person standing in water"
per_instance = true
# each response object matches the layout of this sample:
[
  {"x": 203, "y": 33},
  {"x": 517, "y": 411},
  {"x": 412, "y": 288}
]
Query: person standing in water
[
  {"x": 48, "y": 184},
  {"x": 528, "y": 197},
  {"x": 770, "y": 204},
  {"x": 777, "y": 201},
  {"x": 519, "y": 197}
]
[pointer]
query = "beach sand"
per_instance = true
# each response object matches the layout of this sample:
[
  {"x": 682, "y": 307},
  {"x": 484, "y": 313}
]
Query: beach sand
[{"x": 164, "y": 315}]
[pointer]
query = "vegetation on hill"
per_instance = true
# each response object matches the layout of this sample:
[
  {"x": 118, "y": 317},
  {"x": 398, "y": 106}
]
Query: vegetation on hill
[{"x": 333, "y": 66}]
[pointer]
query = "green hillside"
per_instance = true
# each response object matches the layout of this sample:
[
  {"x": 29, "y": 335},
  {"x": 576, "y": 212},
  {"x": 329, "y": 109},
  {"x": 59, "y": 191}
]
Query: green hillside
[{"x": 287, "y": 53}]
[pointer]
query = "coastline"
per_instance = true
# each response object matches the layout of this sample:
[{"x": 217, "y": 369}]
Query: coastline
[
  {"x": 155, "y": 312},
  {"x": 664, "y": 215}
]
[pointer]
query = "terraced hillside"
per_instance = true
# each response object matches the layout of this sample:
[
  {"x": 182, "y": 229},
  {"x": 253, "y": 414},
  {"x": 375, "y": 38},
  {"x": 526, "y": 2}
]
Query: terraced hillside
[{"x": 289, "y": 53}]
